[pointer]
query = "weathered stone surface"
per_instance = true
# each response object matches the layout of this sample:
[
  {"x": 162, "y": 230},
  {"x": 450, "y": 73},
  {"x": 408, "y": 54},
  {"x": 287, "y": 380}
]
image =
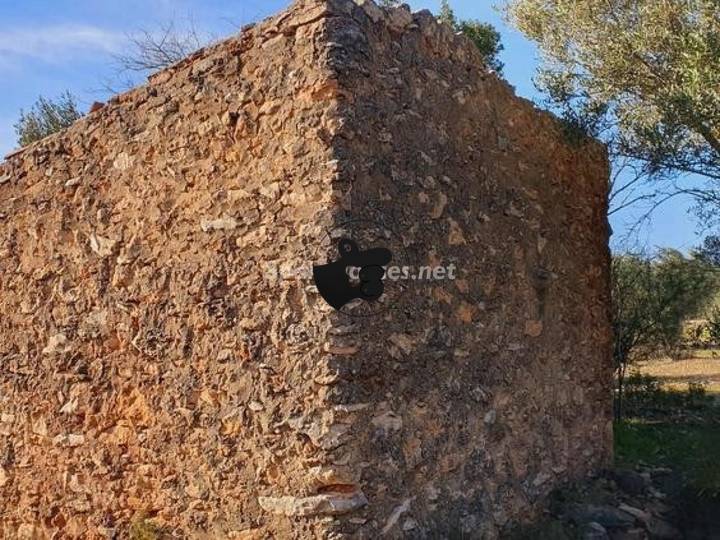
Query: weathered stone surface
[
  {"x": 497, "y": 380},
  {"x": 326, "y": 504},
  {"x": 660, "y": 529},
  {"x": 642, "y": 516},
  {"x": 605, "y": 515},
  {"x": 594, "y": 531},
  {"x": 164, "y": 351},
  {"x": 131, "y": 252},
  {"x": 220, "y": 224},
  {"x": 578, "y": 509},
  {"x": 631, "y": 481}
]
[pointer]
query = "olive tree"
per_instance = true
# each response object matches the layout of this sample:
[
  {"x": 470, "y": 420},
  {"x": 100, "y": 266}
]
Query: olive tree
[
  {"x": 484, "y": 35},
  {"x": 651, "y": 298},
  {"x": 642, "y": 75}
]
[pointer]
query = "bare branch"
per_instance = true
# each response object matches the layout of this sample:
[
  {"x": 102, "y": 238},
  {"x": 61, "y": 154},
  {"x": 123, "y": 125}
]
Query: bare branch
[{"x": 155, "y": 50}]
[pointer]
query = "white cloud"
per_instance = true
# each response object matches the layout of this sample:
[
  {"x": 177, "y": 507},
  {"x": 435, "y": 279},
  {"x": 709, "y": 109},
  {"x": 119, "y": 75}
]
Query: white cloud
[{"x": 57, "y": 43}]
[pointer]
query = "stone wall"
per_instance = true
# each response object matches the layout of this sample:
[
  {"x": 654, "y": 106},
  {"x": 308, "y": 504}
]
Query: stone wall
[
  {"x": 149, "y": 362},
  {"x": 485, "y": 392},
  {"x": 166, "y": 361}
]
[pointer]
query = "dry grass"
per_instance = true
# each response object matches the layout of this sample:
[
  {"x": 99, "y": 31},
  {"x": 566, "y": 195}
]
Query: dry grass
[{"x": 703, "y": 368}]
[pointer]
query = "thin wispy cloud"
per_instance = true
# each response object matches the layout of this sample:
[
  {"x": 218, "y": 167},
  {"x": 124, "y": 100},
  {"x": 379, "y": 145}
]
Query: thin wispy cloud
[{"x": 57, "y": 43}]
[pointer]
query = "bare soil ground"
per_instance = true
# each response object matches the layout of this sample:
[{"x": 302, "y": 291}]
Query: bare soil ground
[{"x": 702, "y": 367}]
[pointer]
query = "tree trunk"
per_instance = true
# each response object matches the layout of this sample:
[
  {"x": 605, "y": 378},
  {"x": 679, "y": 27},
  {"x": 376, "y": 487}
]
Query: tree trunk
[{"x": 619, "y": 398}]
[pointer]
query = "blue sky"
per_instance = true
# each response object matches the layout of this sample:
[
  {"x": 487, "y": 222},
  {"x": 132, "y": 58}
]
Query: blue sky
[{"x": 48, "y": 46}]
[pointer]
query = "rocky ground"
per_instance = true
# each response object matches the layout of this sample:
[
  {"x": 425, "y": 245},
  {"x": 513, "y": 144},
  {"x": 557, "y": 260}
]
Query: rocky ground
[{"x": 644, "y": 504}]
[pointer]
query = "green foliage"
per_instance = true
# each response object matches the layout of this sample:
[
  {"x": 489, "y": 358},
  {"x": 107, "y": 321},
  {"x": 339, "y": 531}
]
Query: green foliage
[
  {"x": 447, "y": 15},
  {"x": 710, "y": 250},
  {"x": 643, "y": 388},
  {"x": 651, "y": 298},
  {"x": 645, "y": 397},
  {"x": 671, "y": 428},
  {"x": 689, "y": 448},
  {"x": 642, "y": 75},
  {"x": 697, "y": 393},
  {"x": 713, "y": 325},
  {"x": 697, "y": 335},
  {"x": 391, "y": 3},
  {"x": 485, "y": 37},
  {"x": 46, "y": 117}
]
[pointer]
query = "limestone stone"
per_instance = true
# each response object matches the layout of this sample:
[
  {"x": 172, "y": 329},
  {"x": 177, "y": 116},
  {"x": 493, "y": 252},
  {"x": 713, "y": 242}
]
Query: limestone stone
[
  {"x": 325, "y": 504},
  {"x": 220, "y": 224}
]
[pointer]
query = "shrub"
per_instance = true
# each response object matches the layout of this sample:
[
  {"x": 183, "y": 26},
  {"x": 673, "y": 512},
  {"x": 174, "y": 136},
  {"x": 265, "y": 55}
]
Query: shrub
[
  {"x": 46, "y": 117},
  {"x": 645, "y": 396},
  {"x": 713, "y": 326}
]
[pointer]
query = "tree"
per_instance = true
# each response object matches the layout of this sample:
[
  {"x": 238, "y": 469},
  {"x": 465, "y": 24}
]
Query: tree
[
  {"x": 484, "y": 35},
  {"x": 46, "y": 117},
  {"x": 713, "y": 325},
  {"x": 153, "y": 50},
  {"x": 710, "y": 250},
  {"x": 149, "y": 50},
  {"x": 643, "y": 75},
  {"x": 447, "y": 15},
  {"x": 651, "y": 299}
]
